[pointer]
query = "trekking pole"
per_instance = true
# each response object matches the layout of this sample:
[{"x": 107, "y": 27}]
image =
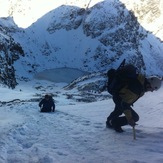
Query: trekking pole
[{"x": 134, "y": 133}]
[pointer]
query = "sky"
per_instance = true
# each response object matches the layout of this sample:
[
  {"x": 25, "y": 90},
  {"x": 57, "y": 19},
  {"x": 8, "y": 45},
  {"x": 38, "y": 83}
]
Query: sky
[{"x": 76, "y": 131}]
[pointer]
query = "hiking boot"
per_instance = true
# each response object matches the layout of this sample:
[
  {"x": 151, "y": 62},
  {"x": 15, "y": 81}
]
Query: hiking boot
[
  {"x": 118, "y": 129},
  {"x": 109, "y": 124}
]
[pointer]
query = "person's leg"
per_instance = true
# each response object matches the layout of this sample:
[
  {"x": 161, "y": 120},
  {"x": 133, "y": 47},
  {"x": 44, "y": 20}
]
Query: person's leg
[
  {"x": 45, "y": 110},
  {"x": 118, "y": 122},
  {"x": 135, "y": 116},
  {"x": 122, "y": 121},
  {"x": 115, "y": 113},
  {"x": 125, "y": 106}
]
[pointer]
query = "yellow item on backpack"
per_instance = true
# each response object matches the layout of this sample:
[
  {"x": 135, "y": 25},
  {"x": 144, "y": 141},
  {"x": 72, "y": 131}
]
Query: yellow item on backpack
[{"x": 128, "y": 96}]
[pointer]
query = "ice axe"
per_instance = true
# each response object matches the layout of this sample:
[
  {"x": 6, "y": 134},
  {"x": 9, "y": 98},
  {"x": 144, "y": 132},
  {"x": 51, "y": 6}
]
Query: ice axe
[{"x": 134, "y": 133}]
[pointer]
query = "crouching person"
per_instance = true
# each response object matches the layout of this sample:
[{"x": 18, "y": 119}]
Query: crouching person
[{"x": 47, "y": 104}]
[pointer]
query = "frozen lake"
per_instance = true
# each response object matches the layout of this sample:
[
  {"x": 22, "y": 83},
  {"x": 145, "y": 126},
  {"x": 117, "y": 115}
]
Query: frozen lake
[{"x": 58, "y": 75}]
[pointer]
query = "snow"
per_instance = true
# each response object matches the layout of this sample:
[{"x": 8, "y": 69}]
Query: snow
[{"x": 76, "y": 132}]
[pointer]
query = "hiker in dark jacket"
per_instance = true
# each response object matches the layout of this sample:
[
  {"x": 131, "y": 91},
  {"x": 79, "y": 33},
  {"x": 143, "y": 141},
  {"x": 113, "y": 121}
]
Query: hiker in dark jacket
[
  {"x": 125, "y": 97},
  {"x": 47, "y": 104}
]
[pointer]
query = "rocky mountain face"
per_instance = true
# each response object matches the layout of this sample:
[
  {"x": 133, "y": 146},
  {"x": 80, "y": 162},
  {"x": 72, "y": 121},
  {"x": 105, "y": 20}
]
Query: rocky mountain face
[
  {"x": 149, "y": 14},
  {"x": 118, "y": 32},
  {"x": 10, "y": 51},
  {"x": 91, "y": 39}
]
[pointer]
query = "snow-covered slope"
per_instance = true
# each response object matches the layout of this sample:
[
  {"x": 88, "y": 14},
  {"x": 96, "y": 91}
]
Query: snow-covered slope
[
  {"x": 92, "y": 38},
  {"x": 76, "y": 132}
]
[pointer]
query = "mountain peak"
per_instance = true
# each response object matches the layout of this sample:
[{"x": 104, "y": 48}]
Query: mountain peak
[{"x": 91, "y": 39}]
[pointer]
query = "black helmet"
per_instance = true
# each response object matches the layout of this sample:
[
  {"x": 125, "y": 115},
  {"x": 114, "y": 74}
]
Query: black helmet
[{"x": 47, "y": 96}]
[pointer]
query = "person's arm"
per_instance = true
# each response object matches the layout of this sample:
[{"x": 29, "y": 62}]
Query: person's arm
[
  {"x": 53, "y": 106},
  {"x": 40, "y": 103}
]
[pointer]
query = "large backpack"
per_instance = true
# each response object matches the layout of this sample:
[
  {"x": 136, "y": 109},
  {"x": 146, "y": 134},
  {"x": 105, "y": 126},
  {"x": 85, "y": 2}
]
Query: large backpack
[{"x": 124, "y": 75}]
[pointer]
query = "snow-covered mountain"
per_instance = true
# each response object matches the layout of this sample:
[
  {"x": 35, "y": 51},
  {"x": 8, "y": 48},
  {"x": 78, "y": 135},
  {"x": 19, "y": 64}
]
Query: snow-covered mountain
[
  {"x": 68, "y": 36},
  {"x": 92, "y": 38}
]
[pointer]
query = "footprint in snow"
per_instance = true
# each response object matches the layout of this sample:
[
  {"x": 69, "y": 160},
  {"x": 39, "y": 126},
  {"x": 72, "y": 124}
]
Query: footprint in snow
[{"x": 98, "y": 125}]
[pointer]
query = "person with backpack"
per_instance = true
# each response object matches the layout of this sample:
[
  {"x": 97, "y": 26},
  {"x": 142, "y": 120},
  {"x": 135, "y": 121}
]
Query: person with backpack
[
  {"x": 126, "y": 87},
  {"x": 47, "y": 104}
]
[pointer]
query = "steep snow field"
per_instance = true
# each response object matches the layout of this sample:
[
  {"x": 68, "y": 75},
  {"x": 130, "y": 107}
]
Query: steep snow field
[{"x": 76, "y": 132}]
